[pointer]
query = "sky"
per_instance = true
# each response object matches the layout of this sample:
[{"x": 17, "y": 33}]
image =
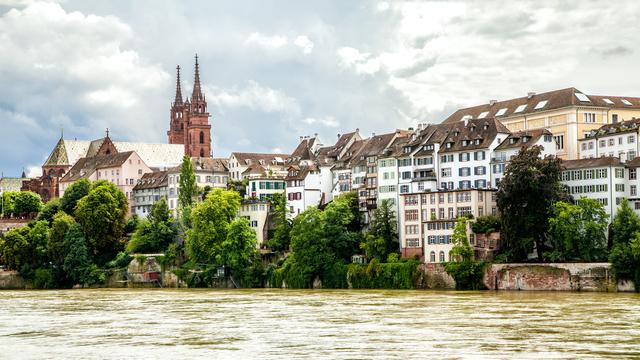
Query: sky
[{"x": 273, "y": 71}]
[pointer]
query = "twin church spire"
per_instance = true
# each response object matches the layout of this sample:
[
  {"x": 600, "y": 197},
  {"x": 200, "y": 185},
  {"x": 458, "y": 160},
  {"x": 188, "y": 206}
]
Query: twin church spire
[{"x": 189, "y": 124}]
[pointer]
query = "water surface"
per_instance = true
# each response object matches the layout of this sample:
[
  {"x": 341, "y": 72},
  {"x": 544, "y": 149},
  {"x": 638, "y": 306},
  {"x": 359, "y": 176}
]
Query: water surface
[{"x": 270, "y": 324}]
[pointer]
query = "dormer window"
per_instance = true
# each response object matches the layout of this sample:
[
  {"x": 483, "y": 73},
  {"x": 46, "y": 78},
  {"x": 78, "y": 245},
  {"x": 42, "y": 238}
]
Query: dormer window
[
  {"x": 449, "y": 145},
  {"x": 486, "y": 126},
  {"x": 478, "y": 141},
  {"x": 456, "y": 133},
  {"x": 430, "y": 147},
  {"x": 513, "y": 140},
  {"x": 473, "y": 128},
  {"x": 525, "y": 139}
]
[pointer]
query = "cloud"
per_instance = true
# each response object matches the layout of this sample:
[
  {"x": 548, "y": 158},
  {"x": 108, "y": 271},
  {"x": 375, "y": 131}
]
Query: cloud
[
  {"x": 253, "y": 96},
  {"x": 328, "y": 121},
  {"x": 616, "y": 51},
  {"x": 265, "y": 41},
  {"x": 362, "y": 63},
  {"x": 304, "y": 43}
]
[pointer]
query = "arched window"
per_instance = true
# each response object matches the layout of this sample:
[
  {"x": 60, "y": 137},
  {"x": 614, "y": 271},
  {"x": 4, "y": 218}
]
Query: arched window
[
  {"x": 441, "y": 256},
  {"x": 432, "y": 257},
  {"x": 201, "y": 152},
  {"x": 201, "y": 137}
]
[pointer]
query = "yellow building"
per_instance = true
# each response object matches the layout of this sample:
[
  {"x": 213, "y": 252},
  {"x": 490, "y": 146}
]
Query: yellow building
[{"x": 568, "y": 113}]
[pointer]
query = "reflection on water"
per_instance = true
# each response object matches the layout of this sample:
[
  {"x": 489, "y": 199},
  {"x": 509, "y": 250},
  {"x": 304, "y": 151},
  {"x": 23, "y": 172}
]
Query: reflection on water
[{"x": 241, "y": 324}]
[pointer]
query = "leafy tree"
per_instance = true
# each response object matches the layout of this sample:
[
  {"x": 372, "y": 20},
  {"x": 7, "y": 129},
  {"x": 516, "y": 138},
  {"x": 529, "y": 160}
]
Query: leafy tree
[
  {"x": 73, "y": 194},
  {"x": 339, "y": 218},
  {"x": 310, "y": 249},
  {"x": 155, "y": 233},
  {"x": 625, "y": 224},
  {"x": 77, "y": 262},
  {"x": 486, "y": 224},
  {"x": 239, "y": 248},
  {"x": 525, "y": 197},
  {"x": 8, "y": 201},
  {"x": 187, "y": 187},
  {"x": 210, "y": 225},
  {"x": 578, "y": 232},
  {"x": 382, "y": 239},
  {"x": 279, "y": 239},
  {"x": 49, "y": 210},
  {"x": 461, "y": 250},
  {"x": 39, "y": 238},
  {"x": 60, "y": 225},
  {"x": 15, "y": 250},
  {"x": 27, "y": 202},
  {"x": 102, "y": 214}
]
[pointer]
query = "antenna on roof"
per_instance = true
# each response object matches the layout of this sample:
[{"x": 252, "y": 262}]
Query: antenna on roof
[{"x": 107, "y": 132}]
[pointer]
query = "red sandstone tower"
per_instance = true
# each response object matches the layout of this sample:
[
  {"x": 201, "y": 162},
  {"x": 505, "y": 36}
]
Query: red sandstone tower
[{"x": 189, "y": 124}]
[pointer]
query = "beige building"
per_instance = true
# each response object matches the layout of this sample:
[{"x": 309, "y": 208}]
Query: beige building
[
  {"x": 257, "y": 213},
  {"x": 427, "y": 220},
  {"x": 569, "y": 114}
]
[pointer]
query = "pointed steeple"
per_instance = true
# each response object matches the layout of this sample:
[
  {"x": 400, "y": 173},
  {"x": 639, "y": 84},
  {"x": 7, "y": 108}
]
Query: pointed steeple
[
  {"x": 178, "y": 99},
  {"x": 197, "y": 92}
]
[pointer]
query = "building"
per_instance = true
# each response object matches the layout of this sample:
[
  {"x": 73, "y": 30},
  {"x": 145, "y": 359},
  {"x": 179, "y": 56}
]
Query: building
[
  {"x": 240, "y": 162},
  {"x": 11, "y": 184},
  {"x": 149, "y": 189},
  {"x": 210, "y": 173},
  {"x": 122, "y": 169},
  {"x": 511, "y": 146},
  {"x": 602, "y": 179},
  {"x": 618, "y": 139},
  {"x": 257, "y": 213},
  {"x": 568, "y": 113},
  {"x": 428, "y": 220},
  {"x": 189, "y": 120}
]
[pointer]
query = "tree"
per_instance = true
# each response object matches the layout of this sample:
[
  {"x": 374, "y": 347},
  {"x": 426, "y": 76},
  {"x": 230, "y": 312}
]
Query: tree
[
  {"x": 73, "y": 194},
  {"x": 382, "y": 239},
  {"x": 461, "y": 250},
  {"x": 239, "y": 248},
  {"x": 60, "y": 225},
  {"x": 525, "y": 197},
  {"x": 26, "y": 203},
  {"x": 279, "y": 239},
  {"x": 102, "y": 215},
  {"x": 49, "y": 210},
  {"x": 625, "y": 224},
  {"x": 77, "y": 261},
  {"x": 210, "y": 225},
  {"x": 309, "y": 247},
  {"x": 38, "y": 240},
  {"x": 155, "y": 233},
  {"x": 486, "y": 224},
  {"x": 14, "y": 248},
  {"x": 187, "y": 187},
  {"x": 578, "y": 232},
  {"x": 8, "y": 201},
  {"x": 339, "y": 218}
]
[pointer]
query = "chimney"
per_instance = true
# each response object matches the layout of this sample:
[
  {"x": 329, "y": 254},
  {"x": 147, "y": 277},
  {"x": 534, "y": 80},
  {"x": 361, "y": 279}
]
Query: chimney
[
  {"x": 530, "y": 94},
  {"x": 338, "y": 136},
  {"x": 315, "y": 135},
  {"x": 357, "y": 130},
  {"x": 301, "y": 137},
  {"x": 492, "y": 102},
  {"x": 373, "y": 134},
  {"x": 410, "y": 129}
]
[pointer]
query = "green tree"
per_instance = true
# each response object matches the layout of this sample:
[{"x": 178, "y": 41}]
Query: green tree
[
  {"x": 486, "y": 224},
  {"x": 60, "y": 225},
  {"x": 187, "y": 187},
  {"x": 382, "y": 239},
  {"x": 15, "y": 250},
  {"x": 578, "y": 232},
  {"x": 39, "y": 238},
  {"x": 525, "y": 197},
  {"x": 210, "y": 225},
  {"x": 342, "y": 226},
  {"x": 73, "y": 194},
  {"x": 102, "y": 215},
  {"x": 238, "y": 250},
  {"x": 155, "y": 233},
  {"x": 625, "y": 224},
  {"x": 49, "y": 210},
  {"x": 461, "y": 250},
  {"x": 310, "y": 249},
  {"x": 280, "y": 239},
  {"x": 8, "y": 201},
  {"x": 77, "y": 262},
  {"x": 26, "y": 203}
]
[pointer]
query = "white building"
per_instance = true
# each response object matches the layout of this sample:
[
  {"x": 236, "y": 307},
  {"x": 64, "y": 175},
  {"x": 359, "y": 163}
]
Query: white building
[
  {"x": 240, "y": 162},
  {"x": 512, "y": 145},
  {"x": 149, "y": 189},
  {"x": 257, "y": 213},
  {"x": 210, "y": 173},
  {"x": 617, "y": 139}
]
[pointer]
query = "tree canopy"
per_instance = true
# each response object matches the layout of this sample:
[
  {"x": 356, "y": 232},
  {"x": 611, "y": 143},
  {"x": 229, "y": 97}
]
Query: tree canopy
[
  {"x": 187, "y": 186},
  {"x": 155, "y": 233},
  {"x": 73, "y": 194}
]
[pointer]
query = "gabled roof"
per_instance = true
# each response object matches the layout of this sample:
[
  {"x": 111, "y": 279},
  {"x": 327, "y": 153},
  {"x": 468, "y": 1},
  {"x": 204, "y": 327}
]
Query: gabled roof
[
  {"x": 86, "y": 166},
  {"x": 303, "y": 150},
  {"x": 210, "y": 164},
  {"x": 593, "y": 162},
  {"x": 246, "y": 158},
  {"x": 483, "y": 130},
  {"x": 516, "y": 140},
  {"x": 554, "y": 100},
  {"x": 152, "y": 180}
]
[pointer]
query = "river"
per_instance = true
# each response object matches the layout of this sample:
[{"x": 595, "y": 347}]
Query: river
[{"x": 270, "y": 324}]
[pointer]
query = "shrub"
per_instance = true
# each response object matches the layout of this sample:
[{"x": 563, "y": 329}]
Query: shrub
[{"x": 467, "y": 274}]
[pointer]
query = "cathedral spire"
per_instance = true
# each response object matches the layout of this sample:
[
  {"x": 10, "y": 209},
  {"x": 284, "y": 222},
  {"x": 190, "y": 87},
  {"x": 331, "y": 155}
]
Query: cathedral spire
[
  {"x": 197, "y": 92},
  {"x": 178, "y": 99}
]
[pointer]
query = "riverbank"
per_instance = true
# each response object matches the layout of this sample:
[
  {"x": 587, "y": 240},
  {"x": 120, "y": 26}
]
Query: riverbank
[{"x": 590, "y": 277}]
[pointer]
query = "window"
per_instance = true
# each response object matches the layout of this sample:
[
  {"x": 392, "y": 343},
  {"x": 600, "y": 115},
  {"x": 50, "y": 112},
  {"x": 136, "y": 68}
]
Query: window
[
  {"x": 501, "y": 112},
  {"x": 480, "y": 184},
  {"x": 608, "y": 101},
  {"x": 441, "y": 256},
  {"x": 589, "y": 117},
  {"x": 432, "y": 257},
  {"x": 612, "y": 142},
  {"x": 603, "y": 143},
  {"x": 559, "y": 142},
  {"x": 483, "y": 115},
  {"x": 614, "y": 118},
  {"x": 632, "y": 173},
  {"x": 633, "y": 190},
  {"x": 631, "y": 139},
  {"x": 582, "y": 97},
  {"x": 201, "y": 137},
  {"x": 520, "y": 108},
  {"x": 479, "y": 155},
  {"x": 619, "y": 173},
  {"x": 465, "y": 184},
  {"x": 480, "y": 170},
  {"x": 540, "y": 105},
  {"x": 626, "y": 102},
  {"x": 413, "y": 243},
  {"x": 465, "y": 171},
  {"x": 619, "y": 187},
  {"x": 464, "y": 157},
  {"x": 411, "y": 215},
  {"x": 446, "y": 172}
]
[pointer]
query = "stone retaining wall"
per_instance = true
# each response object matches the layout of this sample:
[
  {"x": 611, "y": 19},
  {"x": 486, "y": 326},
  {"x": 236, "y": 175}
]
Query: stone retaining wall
[{"x": 10, "y": 280}]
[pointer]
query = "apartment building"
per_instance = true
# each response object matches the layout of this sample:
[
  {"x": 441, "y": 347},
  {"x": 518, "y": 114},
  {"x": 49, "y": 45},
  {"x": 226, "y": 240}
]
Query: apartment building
[
  {"x": 618, "y": 139},
  {"x": 569, "y": 114},
  {"x": 210, "y": 173},
  {"x": 240, "y": 162},
  {"x": 428, "y": 219},
  {"x": 150, "y": 189},
  {"x": 511, "y": 146},
  {"x": 257, "y": 213}
]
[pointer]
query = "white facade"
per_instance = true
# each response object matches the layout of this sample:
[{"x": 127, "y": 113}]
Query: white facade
[
  {"x": 623, "y": 145},
  {"x": 512, "y": 145},
  {"x": 257, "y": 213}
]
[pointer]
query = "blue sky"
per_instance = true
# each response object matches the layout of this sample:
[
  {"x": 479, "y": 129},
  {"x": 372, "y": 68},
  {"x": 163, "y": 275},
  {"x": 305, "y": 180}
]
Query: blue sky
[{"x": 276, "y": 70}]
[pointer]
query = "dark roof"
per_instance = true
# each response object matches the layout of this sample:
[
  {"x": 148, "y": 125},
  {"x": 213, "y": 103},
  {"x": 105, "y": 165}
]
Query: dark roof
[
  {"x": 555, "y": 100},
  {"x": 303, "y": 150},
  {"x": 515, "y": 140},
  {"x": 635, "y": 162},
  {"x": 615, "y": 128},
  {"x": 343, "y": 140},
  {"x": 152, "y": 180},
  {"x": 88, "y": 165},
  {"x": 255, "y": 157},
  {"x": 483, "y": 130},
  {"x": 592, "y": 162},
  {"x": 210, "y": 164}
]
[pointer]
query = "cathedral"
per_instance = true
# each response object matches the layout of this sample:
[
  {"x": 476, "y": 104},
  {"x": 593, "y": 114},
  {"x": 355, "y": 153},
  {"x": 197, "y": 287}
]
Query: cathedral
[
  {"x": 189, "y": 134},
  {"x": 189, "y": 124}
]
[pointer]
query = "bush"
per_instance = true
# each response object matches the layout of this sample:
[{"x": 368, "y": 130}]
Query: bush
[
  {"x": 486, "y": 224},
  {"x": 44, "y": 279},
  {"x": 400, "y": 275},
  {"x": 335, "y": 276},
  {"x": 467, "y": 274}
]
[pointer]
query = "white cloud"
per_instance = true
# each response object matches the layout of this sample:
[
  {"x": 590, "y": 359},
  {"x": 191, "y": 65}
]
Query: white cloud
[
  {"x": 304, "y": 43},
  {"x": 266, "y": 41},
  {"x": 362, "y": 63},
  {"x": 253, "y": 96},
  {"x": 328, "y": 121}
]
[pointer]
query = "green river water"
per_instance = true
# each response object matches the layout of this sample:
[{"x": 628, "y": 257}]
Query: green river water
[{"x": 320, "y": 324}]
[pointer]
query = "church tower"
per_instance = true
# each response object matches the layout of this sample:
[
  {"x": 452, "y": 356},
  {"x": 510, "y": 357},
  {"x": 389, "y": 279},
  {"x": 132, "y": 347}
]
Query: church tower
[
  {"x": 177, "y": 119},
  {"x": 189, "y": 123}
]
